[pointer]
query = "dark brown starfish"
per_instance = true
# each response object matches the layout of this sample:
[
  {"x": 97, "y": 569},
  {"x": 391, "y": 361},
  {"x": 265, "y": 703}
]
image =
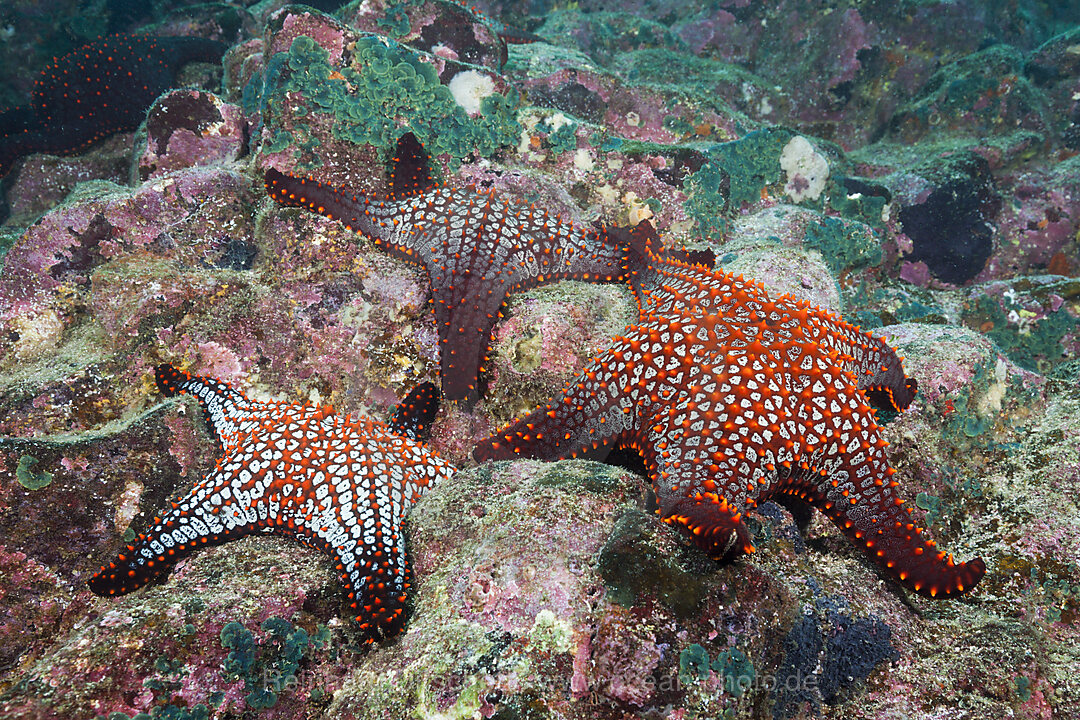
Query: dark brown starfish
[{"x": 477, "y": 248}]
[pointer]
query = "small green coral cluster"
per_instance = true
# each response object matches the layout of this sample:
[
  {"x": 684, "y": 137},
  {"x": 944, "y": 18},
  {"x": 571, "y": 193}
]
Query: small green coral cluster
[
  {"x": 389, "y": 88},
  {"x": 732, "y": 665},
  {"x": 270, "y": 667}
]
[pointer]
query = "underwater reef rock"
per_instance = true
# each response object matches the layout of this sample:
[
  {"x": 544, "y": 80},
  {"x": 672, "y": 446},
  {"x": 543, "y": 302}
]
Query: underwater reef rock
[
  {"x": 787, "y": 141},
  {"x": 948, "y": 212},
  {"x": 185, "y": 128}
]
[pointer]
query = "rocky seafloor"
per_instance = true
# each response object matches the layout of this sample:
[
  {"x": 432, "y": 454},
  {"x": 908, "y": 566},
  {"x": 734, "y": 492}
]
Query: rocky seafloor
[{"x": 912, "y": 166}]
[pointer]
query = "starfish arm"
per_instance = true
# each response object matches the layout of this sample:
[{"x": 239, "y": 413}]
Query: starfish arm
[
  {"x": 644, "y": 248},
  {"x": 477, "y": 250},
  {"x": 207, "y": 516},
  {"x": 412, "y": 167},
  {"x": 413, "y": 416},
  {"x": 339, "y": 484},
  {"x": 692, "y": 496},
  {"x": 465, "y": 316},
  {"x": 359, "y": 212},
  {"x": 369, "y": 550},
  {"x": 368, "y": 553},
  {"x": 593, "y": 412},
  {"x": 224, "y": 407},
  {"x": 848, "y": 477},
  {"x": 377, "y": 584},
  {"x": 875, "y": 366},
  {"x": 878, "y": 521}
]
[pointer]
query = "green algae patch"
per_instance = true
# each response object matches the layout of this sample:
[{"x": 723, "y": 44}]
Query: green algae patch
[
  {"x": 639, "y": 560},
  {"x": 551, "y": 634},
  {"x": 856, "y": 205},
  {"x": 974, "y": 94},
  {"x": 388, "y": 89},
  {"x": 1032, "y": 342},
  {"x": 28, "y": 476},
  {"x": 844, "y": 245},
  {"x": 593, "y": 477},
  {"x": 610, "y": 33},
  {"x": 735, "y": 173}
]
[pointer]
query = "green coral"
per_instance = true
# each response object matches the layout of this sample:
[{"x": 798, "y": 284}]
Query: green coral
[
  {"x": 1034, "y": 344},
  {"x": 1022, "y": 686},
  {"x": 931, "y": 504},
  {"x": 251, "y": 95},
  {"x": 845, "y": 245},
  {"x": 693, "y": 664},
  {"x": 164, "y": 712},
  {"x": 28, "y": 477},
  {"x": 241, "y": 642},
  {"x": 564, "y": 139},
  {"x": 396, "y": 21},
  {"x": 388, "y": 90},
  {"x": 732, "y": 665}
]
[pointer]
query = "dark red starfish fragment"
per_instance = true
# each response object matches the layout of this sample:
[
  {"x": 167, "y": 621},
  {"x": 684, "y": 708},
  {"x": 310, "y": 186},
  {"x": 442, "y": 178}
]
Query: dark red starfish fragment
[
  {"x": 99, "y": 89},
  {"x": 732, "y": 398},
  {"x": 340, "y": 484},
  {"x": 413, "y": 416},
  {"x": 477, "y": 248}
]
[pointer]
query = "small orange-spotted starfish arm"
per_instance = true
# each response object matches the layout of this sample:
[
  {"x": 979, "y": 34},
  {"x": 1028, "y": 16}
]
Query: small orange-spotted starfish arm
[
  {"x": 732, "y": 398},
  {"x": 336, "y": 483}
]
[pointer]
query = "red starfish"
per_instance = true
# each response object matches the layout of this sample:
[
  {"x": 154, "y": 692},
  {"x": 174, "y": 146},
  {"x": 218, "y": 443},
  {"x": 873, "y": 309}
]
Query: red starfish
[
  {"x": 732, "y": 398},
  {"x": 476, "y": 247},
  {"x": 338, "y": 484},
  {"x": 98, "y": 89}
]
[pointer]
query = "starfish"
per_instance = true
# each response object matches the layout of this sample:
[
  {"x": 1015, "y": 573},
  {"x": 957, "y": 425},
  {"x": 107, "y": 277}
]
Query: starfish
[
  {"x": 98, "y": 89},
  {"x": 733, "y": 398},
  {"x": 336, "y": 483},
  {"x": 476, "y": 247}
]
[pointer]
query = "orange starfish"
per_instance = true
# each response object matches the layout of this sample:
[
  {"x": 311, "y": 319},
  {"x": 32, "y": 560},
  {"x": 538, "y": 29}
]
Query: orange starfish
[{"x": 732, "y": 398}]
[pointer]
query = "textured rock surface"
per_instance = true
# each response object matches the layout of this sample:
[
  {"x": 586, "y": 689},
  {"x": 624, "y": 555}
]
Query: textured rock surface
[{"x": 916, "y": 172}]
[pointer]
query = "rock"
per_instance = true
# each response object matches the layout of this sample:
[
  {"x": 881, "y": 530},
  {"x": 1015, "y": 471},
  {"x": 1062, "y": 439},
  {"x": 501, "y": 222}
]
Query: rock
[{"x": 185, "y": 128}]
